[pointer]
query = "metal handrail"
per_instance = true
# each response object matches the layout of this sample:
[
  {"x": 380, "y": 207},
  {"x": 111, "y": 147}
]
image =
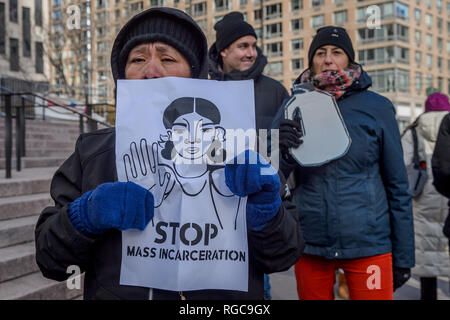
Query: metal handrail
[{"x": 20, "y": 122}]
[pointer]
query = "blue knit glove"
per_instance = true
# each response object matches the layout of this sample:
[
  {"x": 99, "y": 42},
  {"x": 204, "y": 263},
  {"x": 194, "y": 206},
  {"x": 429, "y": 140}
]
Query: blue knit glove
[
  {"x": 249, "y": 174},
  {"x": 117, "y": 205}
]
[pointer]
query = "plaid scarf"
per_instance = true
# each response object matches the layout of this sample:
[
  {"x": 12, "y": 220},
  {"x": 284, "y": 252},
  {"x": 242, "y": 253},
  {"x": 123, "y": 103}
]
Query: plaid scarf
[{"x": 334, "y": 82}]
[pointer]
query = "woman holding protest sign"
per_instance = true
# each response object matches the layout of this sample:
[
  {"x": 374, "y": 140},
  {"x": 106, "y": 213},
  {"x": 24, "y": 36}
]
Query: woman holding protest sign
[
  {"x": 91, "y": 208},
  {"x": 355, "y": 211}
]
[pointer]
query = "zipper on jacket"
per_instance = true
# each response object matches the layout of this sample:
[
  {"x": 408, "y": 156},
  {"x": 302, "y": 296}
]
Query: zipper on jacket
[{"x": 181, "y": 295}]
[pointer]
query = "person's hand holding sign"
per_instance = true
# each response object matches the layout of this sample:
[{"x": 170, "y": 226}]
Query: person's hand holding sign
[
  {"x": 142, "y": 162},
  {"x": 249, "y": 174}
]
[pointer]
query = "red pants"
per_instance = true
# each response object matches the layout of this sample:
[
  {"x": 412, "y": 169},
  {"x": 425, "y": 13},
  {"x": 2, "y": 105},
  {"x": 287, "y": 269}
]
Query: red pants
[{"x": 367, "y": 278}]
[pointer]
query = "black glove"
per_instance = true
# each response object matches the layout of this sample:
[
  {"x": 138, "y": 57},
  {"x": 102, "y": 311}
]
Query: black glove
[
  {"x": 290, "y": 136},
  {"x": 401, "y": 275}
]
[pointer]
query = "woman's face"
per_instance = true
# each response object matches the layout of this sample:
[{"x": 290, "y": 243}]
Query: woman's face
[
  {"x": 156, "y": 60},
  {"x": 192, "y": 135},
  {"x": 329, "y": 58}
]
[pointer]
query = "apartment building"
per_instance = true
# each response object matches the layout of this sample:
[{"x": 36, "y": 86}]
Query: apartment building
[
  {"x": 404, "y": 45},
  {"x": 23, "y": 29}
]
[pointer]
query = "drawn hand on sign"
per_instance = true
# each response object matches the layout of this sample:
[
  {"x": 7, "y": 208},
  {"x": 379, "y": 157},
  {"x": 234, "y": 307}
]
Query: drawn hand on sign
[{"x": 145, "y": 162}]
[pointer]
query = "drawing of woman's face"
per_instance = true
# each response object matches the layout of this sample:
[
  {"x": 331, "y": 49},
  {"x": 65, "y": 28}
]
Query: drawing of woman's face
[{"x": 192, "y": 135}]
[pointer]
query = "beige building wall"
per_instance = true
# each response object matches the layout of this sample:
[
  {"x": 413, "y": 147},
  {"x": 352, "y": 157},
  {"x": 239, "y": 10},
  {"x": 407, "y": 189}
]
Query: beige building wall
[
  {"x": 24, "y": 65},
  {"x": 390, "y": 58}
]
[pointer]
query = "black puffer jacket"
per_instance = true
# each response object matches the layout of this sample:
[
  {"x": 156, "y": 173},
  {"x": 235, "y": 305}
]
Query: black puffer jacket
[
  {"x": 441, "y": 165},
  {"x": 269, "y": 93}
]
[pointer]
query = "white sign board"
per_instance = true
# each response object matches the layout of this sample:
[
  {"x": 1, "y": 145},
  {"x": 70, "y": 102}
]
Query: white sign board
[
  {"x": 325, "y": 136},
  {"x": 172, "y": 135}
]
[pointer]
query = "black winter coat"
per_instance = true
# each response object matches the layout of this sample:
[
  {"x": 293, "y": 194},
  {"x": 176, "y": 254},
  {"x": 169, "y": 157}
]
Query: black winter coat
[
  {"x": 441, "y": 165},
  {"x": 269, "y": 93},
  {"x": 58, "y": 244}
]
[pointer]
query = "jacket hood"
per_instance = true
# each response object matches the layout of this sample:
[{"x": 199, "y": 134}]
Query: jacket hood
[
  {"x": 428, "y": 124},
  {"x": 176, "y": 15},
  {"x": 360, "y": 84},
  {"x": 216, "y": 72}
]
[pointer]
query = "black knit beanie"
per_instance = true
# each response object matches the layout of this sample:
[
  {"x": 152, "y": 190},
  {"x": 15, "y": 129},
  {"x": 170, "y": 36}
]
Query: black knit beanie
[
  {"x": 330, "y": 35},
  {"x": 158, "y": 25},
  {"x": 231, "y": 28}
]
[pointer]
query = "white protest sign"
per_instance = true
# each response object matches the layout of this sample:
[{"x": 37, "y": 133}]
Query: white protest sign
[{"x": 172, "y": 137}]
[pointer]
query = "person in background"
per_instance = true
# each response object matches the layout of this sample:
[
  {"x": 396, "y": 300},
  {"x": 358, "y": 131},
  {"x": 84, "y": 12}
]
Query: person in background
[
  {"x": 440, "y": 162},
  {"x": 429, "y": 207},
  {"x": 91, "y": 208},
  {"x": 235, "y": 56},
  {"x": 355, "y": 212}
]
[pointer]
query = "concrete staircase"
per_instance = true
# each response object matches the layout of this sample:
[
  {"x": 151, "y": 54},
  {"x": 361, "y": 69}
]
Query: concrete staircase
[{"x": 22, "y": 198}]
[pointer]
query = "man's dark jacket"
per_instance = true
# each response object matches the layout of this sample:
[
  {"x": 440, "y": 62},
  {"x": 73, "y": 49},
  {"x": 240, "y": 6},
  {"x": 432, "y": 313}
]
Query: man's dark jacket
[
  {"x": 441, "y": 165},
  {"x": 269, "y": 93},
  {"x": 58, "y": 244}
]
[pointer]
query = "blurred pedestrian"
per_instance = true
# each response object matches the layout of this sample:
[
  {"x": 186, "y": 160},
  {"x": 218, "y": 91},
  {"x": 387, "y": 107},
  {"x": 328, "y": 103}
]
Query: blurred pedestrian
[{"x": 429, "y": 207}]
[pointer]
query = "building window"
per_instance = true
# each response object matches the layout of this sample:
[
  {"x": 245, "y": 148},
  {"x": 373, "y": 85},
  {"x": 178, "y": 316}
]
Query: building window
[
  {"x": 440, "y": 84},
  {"x": 134, "y": 7},
  {"x": 13, "y": 11},
  {"x": 390, "y": 80},
  {"x": 297, "y": 44},
  {"x": 340, "y": 17},
  {"x": 428, "y": 3},
  {"x": 222, "y": 5},
  {"x": 448, "y": 46},
  {"x": 417, "y": 15},
  {"x": 273, "y": 11},
  {"x": 100, "y": 4},
  {"x": 387, "y": 32},
  {"x": 2, "y": 29},
  {"x": 439, "y": 24},
  {"x": 388, "y": 10},
  {"x": 274, "y": 49},
  {"x": 273, "y": 30},
  {"x": 418, "y": 57},
  {"x": 57, "y": 15},
  {"x": 13, "y": 54},
  {"x": 39, "y": 57},
  {"x": 296, "y": 5},
  {"x": 428, "y": 20},
  {"x": 26, "y": 32},
  {"x": 157, "y": 3},
  {"x": 440, "y": 44},
  {"x": 297, "y": 64},
  {"x": 439, "y": 63},
  {"x": 383, "y": 55},
  {"x": 429, "y": 61},
  {"x": 243, "y": 3},
  {"x": 418, "y": 82},
  {"x": 429, "y": 40},
  {"x": 439, "y": 5},
  {"x": 297, "y": 24},
  {"x": 418, "y": 36},
  {"x": 199, "y": 9},
  {"x": 274, "y": 68},
  {"x": 316, "y": 3},
  {"x": 38, "y": 13},
  {"x": 257, "y": 14},
  {"x": 318, "y": 21},
  {"x": 429, "y": 81}
]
